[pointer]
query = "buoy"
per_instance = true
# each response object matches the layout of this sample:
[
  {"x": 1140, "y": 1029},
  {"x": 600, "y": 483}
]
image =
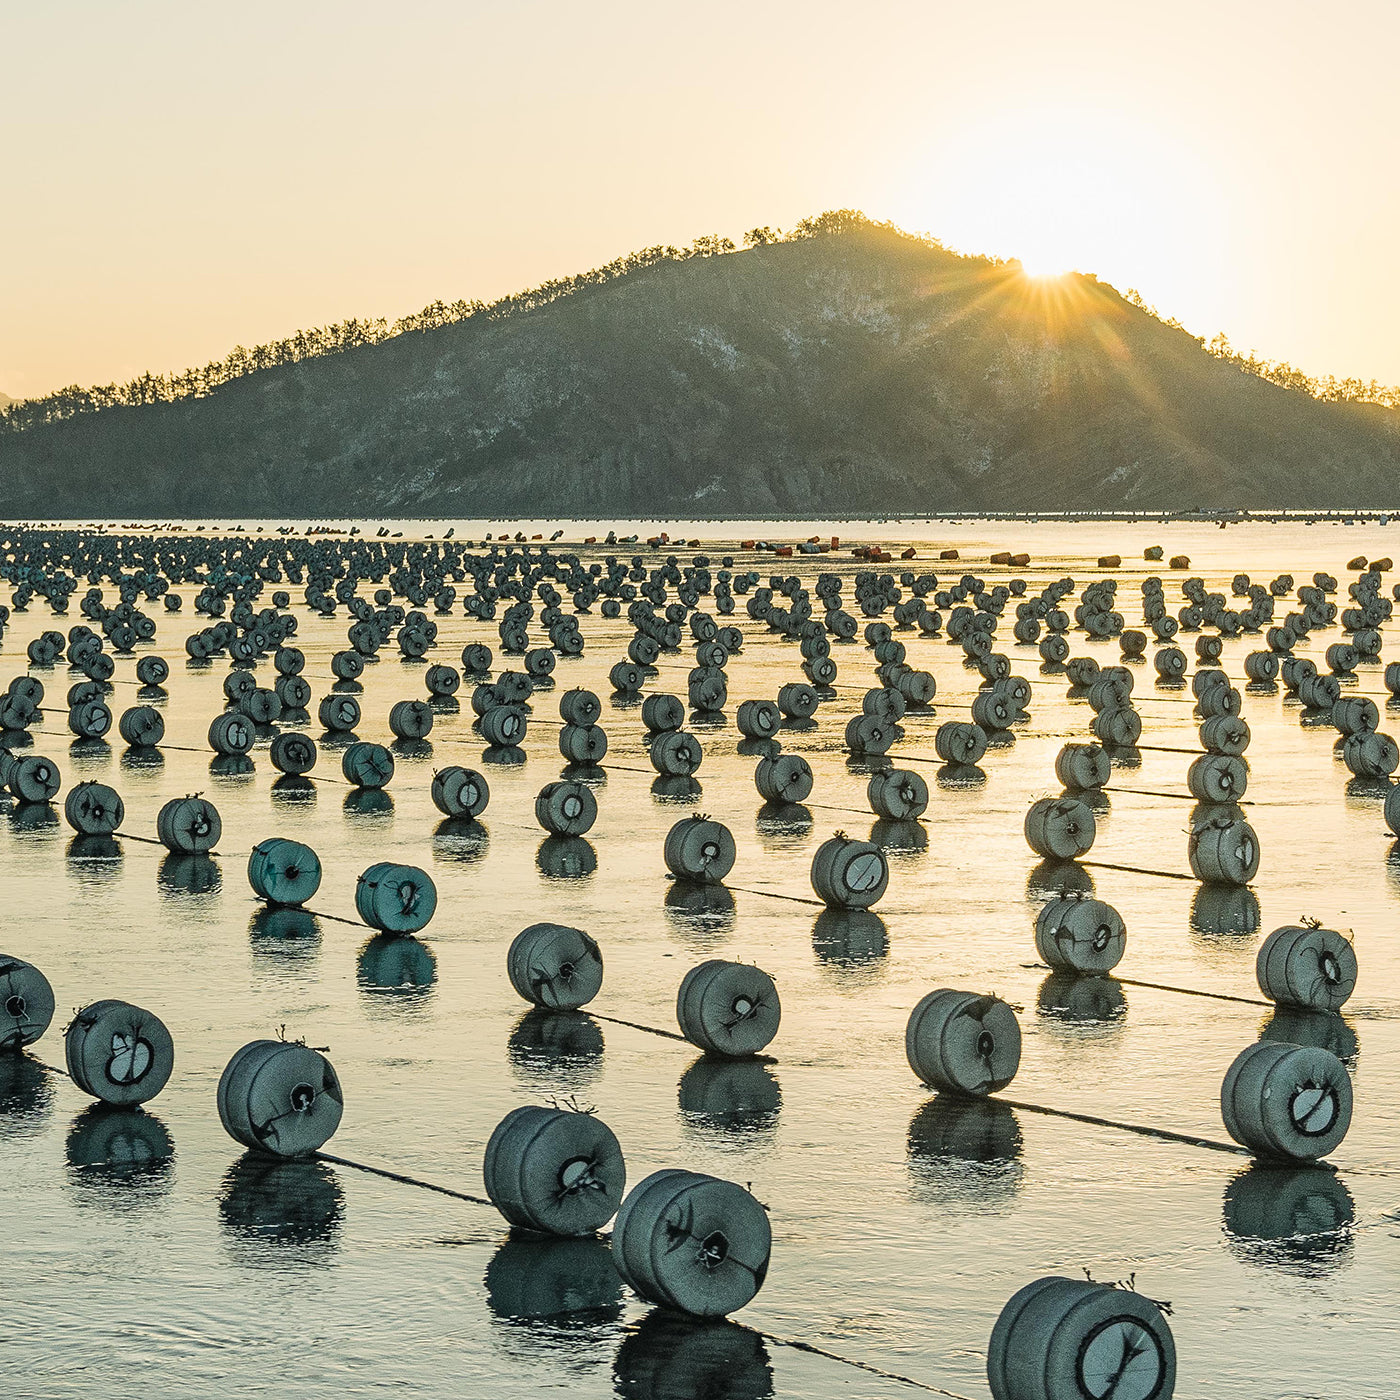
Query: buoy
[
  {"x": 694, "y": 1243},
  {"x": 142, "y": 726},
  {"x": 797, "y": 700},
  {"x": 1223, "y": 851},
  {"x": 94, "y": 809},
  {"x": 366, "y": 765},
  {"x": 118, "y": 1053},
  {"x": 91, "y": 720},
  {"x": 1060, "y": 828},
  {"x": 555, "y": 967},
  {"x": 189, "y": 826},
  {"x": 1217, "y": 778},
  {"x": 897, "y": 793},
  {"x": 261, "y": 706},
  {"x": 566, "y": 808},
  {"x": 460, "y": 792},
  {"x": 152, "y": 670},
  {"x": 284, "y": 872},
  {"x": 395, "y": 898},
  {"x": 758, "y": 719},
  {"x": 1287, "y": 1101},
  {"x": 411, "y": 719},
  {"x": 339, "y": 713},
  {"x": 580, "y": 707},
  {"x": 554, "y": 1171},
  {"x": 963, "y": 1043},
  {"x": 583, "y": 743},
  {"x": 293, "y": 754},
  {"x": 1083, "y": 767},
  {"x": 1371, "y": 755},
  {"x": 1073, "y": 1339},
  {"x": 960, "y": 742},
  {"x": 281, "y": 1098},
  {"x": 33, "y": 778},
  {"x": 784, "y": 777},
  {"x": 675, "y": 754},
  {"x": 1084, "y": 936},
  {"x": 1225, "y": 734},
  {"x": 26, "y": 1003},
  {"x": 700, "y": 850},
  {"x": 728, "y": 1008},
  {"x": 231, "y": 733},
  {"x": 504, "y": 726},
  {"x": 1307, "y": 966},
  {"x": 849, "y": 874},
  {"x": 662, "y": 713}
]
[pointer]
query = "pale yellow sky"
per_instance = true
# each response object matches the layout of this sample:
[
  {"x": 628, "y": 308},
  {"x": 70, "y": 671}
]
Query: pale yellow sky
[{"x": 180, "y": 178}]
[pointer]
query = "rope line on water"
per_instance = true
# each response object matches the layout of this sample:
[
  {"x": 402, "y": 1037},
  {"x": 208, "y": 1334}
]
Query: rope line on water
[
  {"x": 773, "y": 894},
  {"x": 1165, "y": 1134},
  {"x": 874, "y": 1370},
  {"x": 406, "y": 1180},
  {"x": 637, "y": 1026},
  {"x": 1138, "y": 870}
]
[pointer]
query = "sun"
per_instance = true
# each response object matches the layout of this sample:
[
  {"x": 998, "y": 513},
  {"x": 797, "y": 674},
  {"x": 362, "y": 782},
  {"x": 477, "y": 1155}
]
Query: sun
[{"x": 1041, "y": 267}]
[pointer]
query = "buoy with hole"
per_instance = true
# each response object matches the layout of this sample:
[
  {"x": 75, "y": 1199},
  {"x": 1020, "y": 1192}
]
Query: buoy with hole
[
  {"x": 94, "y": 809},
  {"x": 118, "y": 1053},
  {"x": 1307, "y": 966},
  {"x": 26, "y": 1003},
  {"x": 293, "y": 754},
  {"x": 1085, "y": 936},
  {"x": 281, "y": 1098},
  {"x": 784, "y": 777},
  {"x": 284, "y": 872},
  {"x": 675, "y": 754},
  {"x": 1217, "y": 778},
  {"x": 566, "y": 808},
  {"x": 189, "y": 826},
  {"x": 897, "y": 793},
  {"x": 554, "y": 1171},
  {"x": 366, "y": 765},
  {"x": 848, "y": 874},
  {"x": 460, "y": 792},
  {"x": 555, "y": 967},
  {"x": 395, "y": 898},
  {"x": 142, "y": 726},
  {"x": 728, "y": 1008},
  {"x": 1287, "y": 1101},
  {"x": 963, "y": 1043},
  {"x": 1223, "y": 851},
  {"x": 700, "y": 850},
  {"x": 1060, "y": 828}
]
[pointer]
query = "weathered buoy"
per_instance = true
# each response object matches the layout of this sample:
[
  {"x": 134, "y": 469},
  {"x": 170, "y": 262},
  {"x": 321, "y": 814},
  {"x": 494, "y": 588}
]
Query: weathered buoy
[
  {"x": 1060, "y": 828},
  {"x": 784, "y": 777},
  {"x": 963, "y": 1043},
  {"x": 700, "y": 850},
  {"x": 94, "y": 809},
  {"x": 555, "y": 967},
  {"x": 1223, "y": 851},
  {"x": 283, "y": 872},
  {"x": 580, "y": 707},
  {"x": 231, "y": 733},
  {"x": 797, "y": 700},
  {"x": 152, "y": 670},
  {"x": 1287, "y": 1101},
  {"x": 1371, "y": 754},
  {"x": 849, "y": 874},
  {"x": 897, "y": 793},
  {"x": 566, "y": 808},
  {"x": 293, "y": 754},
  {"x": 693, "y": 1243},
  {"x": 339, "y": 713},
  {"x": 662, "y": 713},
  {"x": 395, "y": 898},
  {"x": 583, "y": 743},
  {"x": 411, "y": 719},
  {"x": 554, "y": 1171},
  {"x": 189, "y": 826},
  {"x": 118, "y": 1053},
  {"x": 675, "y": 754},
  {"x": 366, "y": 765},
  {"x": 1225, "y": 734},
  {"x": 1085, "y": 936},
  {"x": 960, "y": 742},
  {"x": 280, "y": 1097},
  {"x": 1073, "y": 1339},
  {"x": 1217, "y": 778},
  {"x": 1307, "y": 966},
  {"x": 1083, "y": 767},
  {"x": 758, "y": 719},
  {"x": 142, "y": 726},
  {"x": 460, "y": 792},
  {"x": 26, "y": 1003},
  {"x": 728, "y": 1008}
]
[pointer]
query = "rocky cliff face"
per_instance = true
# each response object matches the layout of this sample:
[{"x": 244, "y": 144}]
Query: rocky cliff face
[{"x": 846, "y": 374}]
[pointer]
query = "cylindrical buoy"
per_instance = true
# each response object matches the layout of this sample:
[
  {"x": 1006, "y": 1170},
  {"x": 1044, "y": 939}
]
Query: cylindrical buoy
[
  {"x": 960, "y": 742},
  {"x": 26, "y": 1003},
  {"x": 1371, "y": 754},
  {"x": 395, "y": 898},
  {"x": 784, "y": 777},
  {"x": 1083, "y": 767},
  {"x": 897, "y": 793},
  {"x": 675, "y": 754},
  {"x": 152, "y": 670},
  {"x": 555, "y": 967},
  {"x": 1060, "y": 828},
  {"x": 142, "y": 726},
  {"x": 231, "y": 733},
  {"x": 118, "y": 1053},
  {"x": 1217, "y": 778},
  {"x": 728, "y": 1008},
  {"x": 566, "y": 808},
  {"x": 280, "y": 1097},
  {"x": 460, "y": 792},
  {"x": 849, "y": 874},
  {"x": 1287, "y": 1101},
  {"x": 797, "y": 700},
  {"x": 758, "y": 719},
  {"x": 1223, "y": 851},
  {"x": 189, "y": 826},
  {"x": 94, "y": 809},
  {"x": 1073, "y": 1339},
  {"x": 693, "y": 1243},
  {"x": 1227, "y": 734},
  {"x": 700, "y": 850},
  {"x": 504, "y": 726},
  {"x": 662, "y": 713},
  {"x": 411, "y": 719},
  {"x": 583, "y": 743},
  {"x": 579, "y": 706},
  {"x": 366, "y": 765},
  {"x": 1307, "y": 966},
  {"x": 554, "y": 1171},
  {"x": 1085, "y": 936},
  {"x": 284, "y": 872},
  {"x": 339, "y": 713},
  {"x": 293, "y": 754},
  {"x": 963, "y": 1043}
]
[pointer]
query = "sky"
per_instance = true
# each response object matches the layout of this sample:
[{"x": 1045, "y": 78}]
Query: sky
[{"x": 180, "y": 178}]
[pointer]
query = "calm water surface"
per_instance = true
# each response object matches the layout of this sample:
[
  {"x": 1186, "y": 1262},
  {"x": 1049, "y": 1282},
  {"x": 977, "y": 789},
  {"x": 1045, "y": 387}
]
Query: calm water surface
[{"x": 146, "y": 1255}]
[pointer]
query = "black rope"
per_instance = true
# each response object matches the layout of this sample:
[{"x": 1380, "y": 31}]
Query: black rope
[
  {"x": 1164, "y": 1133},
  {"x": 406, "y": 1180},
  {"x": 637, "y": 1026},
  {"x": 1137, "y": 870}
]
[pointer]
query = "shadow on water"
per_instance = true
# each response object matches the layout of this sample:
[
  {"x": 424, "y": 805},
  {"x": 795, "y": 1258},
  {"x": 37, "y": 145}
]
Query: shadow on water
[
  {"x": 702, "y": 916},
  {"x": 291, "y": 790},
  {"x": 1224, "y": 911},
  {"x": 278, "y": 1213},
  {"x": 564, "y": 1293},
  {"x": 503, "y": 755},
  {"x": 1297, "y": 1219},
  {"x": 231, "y": 766},
  {"x": 1323, "y": 1030},
  {"x": 285, "y": 936},
  {"x": 461, "y": 839},
  {"x": 395, "y": 970},
  {"x": 119, "y": 1158},
  {"x": 850, "y": 939},
  {"x": 96, "y": 860},
  {"x": 730, "y": 1102},
  {"x": 780, "y": 824},
  {"x": 144, "y": 758},
  {"x": 1072, "y": 1000},
  {"x": 181, "y": 876},
  {"x": 1051, "y": 879},
  {"x": 966, "y": 1151},
  {"x": 566, "y": 858},
  {"x": 676, "y": 788},
  {"x": 899, "y": 837},
  {"x": 556, "y": 1051},
  {"x": 26, "y": 1095},
  {"x": 952, "y": 776},
  {"x": 672, "y": 1357},
  {"x": 368, "y": 804}
]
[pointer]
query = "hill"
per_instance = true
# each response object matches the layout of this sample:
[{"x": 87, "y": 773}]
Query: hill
[{"x": 851, "y": 371}]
